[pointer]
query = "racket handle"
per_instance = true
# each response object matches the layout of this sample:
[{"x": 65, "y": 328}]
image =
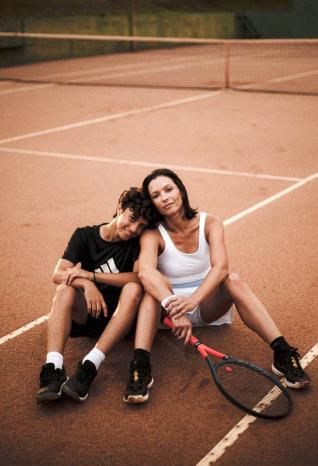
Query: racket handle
[{"x": 168, "y": 323}]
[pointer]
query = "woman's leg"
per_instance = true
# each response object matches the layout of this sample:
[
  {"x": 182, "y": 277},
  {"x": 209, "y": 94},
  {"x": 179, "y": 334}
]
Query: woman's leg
[
  {"x": 252, "y": 312},
  {"x": 147, "y": 323},
  {"x": 256, "y": 317},
  {"x": 141, "y": 380},
  {"x": 122, "y": 319}
]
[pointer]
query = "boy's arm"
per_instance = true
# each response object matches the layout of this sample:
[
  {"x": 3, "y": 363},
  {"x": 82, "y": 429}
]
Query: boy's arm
[{"x": 74, "y": 273}]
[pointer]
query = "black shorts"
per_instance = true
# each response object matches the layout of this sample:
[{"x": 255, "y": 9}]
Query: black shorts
[{"x": 93, "y": 328}]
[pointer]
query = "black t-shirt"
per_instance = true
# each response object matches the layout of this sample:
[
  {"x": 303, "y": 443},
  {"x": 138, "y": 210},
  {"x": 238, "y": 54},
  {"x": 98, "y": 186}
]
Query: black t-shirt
[{"x": 94, "y": 253}]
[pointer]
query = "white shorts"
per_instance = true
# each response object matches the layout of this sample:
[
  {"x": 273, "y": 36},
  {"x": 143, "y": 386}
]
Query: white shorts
[
  {"x": 195, "y": 315},
  {"x": 196, "y": 319}
]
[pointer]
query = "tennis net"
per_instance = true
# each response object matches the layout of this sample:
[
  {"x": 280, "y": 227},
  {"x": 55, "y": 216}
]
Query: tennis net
[{"x": 273, "y": 65}]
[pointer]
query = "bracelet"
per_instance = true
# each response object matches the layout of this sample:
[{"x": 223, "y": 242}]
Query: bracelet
[
  {"x": 94, "y": 276},
  {"x": 164, "y": 301}
]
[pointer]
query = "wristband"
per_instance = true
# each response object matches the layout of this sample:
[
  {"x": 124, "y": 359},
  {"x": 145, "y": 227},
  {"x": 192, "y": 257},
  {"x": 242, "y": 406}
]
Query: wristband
[
  {"x": 94, "y": 276},
  {"x": 164, "y": 301}
]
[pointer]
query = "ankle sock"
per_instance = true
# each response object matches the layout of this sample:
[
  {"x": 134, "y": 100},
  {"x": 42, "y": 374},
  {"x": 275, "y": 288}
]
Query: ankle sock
[
  {"x": 141, "y": 355},
  {"x": 96, "y": 356},
  {"x": 56, "y": 358},
  {"x": 279, "y": 344}
]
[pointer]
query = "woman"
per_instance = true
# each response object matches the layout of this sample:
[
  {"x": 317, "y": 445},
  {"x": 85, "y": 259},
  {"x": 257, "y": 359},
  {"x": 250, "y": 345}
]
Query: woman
[{"x": 183, "y": 265}]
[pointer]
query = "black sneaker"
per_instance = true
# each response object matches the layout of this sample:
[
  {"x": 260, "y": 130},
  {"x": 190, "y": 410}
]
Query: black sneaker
[
  {"x": 140, "y": 381},
  {"x": 51, "y": 383},
  {"x": 77, "y": 386},
  {"x": 286, "y": 363}
]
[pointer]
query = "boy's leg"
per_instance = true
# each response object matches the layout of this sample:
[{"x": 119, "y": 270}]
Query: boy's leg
[
  {"x": 120, "y": 323},
  {"x": 141, "y": 380},
  {"x": 68, "y": 304}
]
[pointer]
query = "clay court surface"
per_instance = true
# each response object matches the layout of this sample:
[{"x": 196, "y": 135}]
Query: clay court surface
[{"x": 66, "y": 153}]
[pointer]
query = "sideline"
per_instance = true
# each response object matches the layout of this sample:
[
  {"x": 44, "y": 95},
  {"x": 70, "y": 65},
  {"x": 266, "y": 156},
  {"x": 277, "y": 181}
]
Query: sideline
[
  {"x": 113, "y": 116},
  {"x": 231, "y": 437}
]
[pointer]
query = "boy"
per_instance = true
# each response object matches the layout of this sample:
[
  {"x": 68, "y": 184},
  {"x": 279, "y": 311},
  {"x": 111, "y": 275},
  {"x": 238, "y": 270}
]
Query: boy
[{"x": 98, "y": 295}]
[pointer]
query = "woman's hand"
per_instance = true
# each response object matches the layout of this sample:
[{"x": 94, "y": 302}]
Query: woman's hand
[
  {"x": 75, "y": 272},
  {"x": 94, "y": 300},
  {"x": 182, "y": 328},
  {"x": 178, "y": 306}
]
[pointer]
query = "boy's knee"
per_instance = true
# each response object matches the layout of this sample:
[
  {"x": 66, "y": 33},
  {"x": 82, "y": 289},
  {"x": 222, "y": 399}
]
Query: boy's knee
[
  {"x": 64, "y": 292},
  {"x": 134, "y": 290}
]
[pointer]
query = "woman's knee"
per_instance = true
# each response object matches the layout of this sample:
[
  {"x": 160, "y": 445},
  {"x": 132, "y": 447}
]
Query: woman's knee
[{"x": 234, "y": 281}]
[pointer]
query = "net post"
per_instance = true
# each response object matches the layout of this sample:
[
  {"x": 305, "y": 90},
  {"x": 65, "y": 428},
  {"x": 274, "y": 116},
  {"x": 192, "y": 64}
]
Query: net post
[
  {"x": 131, "y": 23},
  {"x": 227, "y": 64}
]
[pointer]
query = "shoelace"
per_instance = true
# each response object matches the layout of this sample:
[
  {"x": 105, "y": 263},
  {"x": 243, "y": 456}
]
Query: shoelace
[
  {"x": 85, "y": 373},
  {"x": 48, "y": 374}
]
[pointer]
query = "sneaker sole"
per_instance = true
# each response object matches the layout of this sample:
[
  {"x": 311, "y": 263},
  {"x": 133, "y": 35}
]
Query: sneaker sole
[
  {"x": 50, "y": 396},
  {"x": 138, "y": 399},
  {"x": 296, "y": 385},
  {"x": 69, "y": 392}
]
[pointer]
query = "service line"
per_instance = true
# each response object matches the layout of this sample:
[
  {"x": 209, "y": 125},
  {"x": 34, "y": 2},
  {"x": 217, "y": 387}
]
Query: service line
[{"x": 140, "y": 163}]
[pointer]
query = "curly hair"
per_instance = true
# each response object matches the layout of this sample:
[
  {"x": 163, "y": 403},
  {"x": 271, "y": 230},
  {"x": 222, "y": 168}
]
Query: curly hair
[
  {"x": 140, "y": 205},
  {"x": 189, "y": 212}
]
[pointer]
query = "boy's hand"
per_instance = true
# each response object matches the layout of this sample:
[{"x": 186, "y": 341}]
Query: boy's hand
[
  {"x": 75, "y": 272},
  {"x": 94, "y": 300}
]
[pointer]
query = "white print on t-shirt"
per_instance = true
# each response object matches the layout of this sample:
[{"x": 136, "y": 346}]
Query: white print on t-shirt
[{"x": 109, "y": 266}]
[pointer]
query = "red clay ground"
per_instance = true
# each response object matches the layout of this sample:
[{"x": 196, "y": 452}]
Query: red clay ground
[{"x": 44, "y": 198}]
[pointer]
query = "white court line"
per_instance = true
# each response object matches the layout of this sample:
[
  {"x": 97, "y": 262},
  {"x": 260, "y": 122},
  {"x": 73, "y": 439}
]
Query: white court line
[
  {"x": 231, "y": 437},
  {"x": 139, "y": 163},
  {"x": 270, "y": 199},
  {"x": 23, "y": 329},
  {"x": 112, "y": 116},
  {"x": 281, "y": 79},
  {"x": 228, "y": 221},
  {"x": 181, "y": 63}
]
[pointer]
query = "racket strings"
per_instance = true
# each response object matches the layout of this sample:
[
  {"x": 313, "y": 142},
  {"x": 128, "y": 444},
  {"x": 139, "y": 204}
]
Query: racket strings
[{"x": 252, "y": 388}]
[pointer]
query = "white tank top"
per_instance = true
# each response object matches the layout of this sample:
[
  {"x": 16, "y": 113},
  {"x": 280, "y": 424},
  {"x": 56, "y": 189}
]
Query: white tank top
[{"x": 182, "y": 267}]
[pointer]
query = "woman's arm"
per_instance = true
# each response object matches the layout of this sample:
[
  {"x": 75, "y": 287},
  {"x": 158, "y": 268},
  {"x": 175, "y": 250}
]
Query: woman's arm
[
  {"x": 214, "y": 231},
  {"x": 155, "y": 283},
  {"x": 152, "y": 280}
]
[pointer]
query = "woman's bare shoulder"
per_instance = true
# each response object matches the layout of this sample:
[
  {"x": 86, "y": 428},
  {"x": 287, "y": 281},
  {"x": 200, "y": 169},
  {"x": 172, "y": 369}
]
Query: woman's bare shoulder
[
  {"x": 212, "y": 221},
  {"x": 150, "y": 235}
]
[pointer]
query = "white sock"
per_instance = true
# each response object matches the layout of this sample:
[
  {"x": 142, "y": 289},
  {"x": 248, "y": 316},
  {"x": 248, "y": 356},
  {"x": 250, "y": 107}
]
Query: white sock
[
  {"x": 96, "y": 356},
  {"x": 56, "y": 358}
]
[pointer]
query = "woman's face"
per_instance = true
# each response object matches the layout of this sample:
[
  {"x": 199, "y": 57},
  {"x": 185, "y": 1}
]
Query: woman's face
[
  {"x": 128, "y": 227},
  {"x": 165, "y": 195}
]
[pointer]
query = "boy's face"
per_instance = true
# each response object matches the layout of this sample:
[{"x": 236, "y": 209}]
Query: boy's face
[{"x": 128, "y": 227}]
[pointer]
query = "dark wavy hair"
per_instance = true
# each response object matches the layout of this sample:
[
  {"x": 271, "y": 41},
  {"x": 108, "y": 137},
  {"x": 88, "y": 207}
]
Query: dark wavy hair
[
  {"x": 139, "y": 203},
  {"x": 189, "y": 212}
]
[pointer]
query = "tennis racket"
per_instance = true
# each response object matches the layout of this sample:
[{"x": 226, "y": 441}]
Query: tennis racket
[{"x": 250, "y": 388}]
